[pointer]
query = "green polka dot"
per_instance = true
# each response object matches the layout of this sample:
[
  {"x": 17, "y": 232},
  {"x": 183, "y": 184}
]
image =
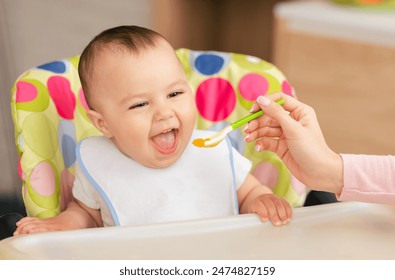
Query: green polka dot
[
  {"x": 47, "y": 214},
  {"x": 274, "y": 84},
  {"x": 245, "y": 103},
  {"x": 39, "y": 134},
  {"x": 38, "y": 104}
]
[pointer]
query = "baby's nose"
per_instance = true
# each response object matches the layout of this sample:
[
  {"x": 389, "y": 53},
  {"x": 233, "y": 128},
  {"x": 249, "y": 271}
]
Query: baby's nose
[{"x": 164, "y": 113}]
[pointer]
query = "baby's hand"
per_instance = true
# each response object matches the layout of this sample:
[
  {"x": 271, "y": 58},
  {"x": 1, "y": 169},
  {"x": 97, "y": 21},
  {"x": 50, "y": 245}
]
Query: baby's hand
[
  {"x": 271, "y": 207},
  {"x": 29, "y": 225}
]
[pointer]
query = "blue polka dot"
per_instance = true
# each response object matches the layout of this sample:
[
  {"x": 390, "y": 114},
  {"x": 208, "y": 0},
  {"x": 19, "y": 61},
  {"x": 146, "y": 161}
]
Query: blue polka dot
[
  {"x": 209, "y": 64},
  {"x": 56, "y": 67},
  {"x": 68, "y": 151},
  {"x": 67, "y": 142}
]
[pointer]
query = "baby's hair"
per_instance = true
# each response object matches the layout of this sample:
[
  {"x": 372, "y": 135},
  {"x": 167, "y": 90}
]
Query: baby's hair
[{"x": 132, "y": 38}]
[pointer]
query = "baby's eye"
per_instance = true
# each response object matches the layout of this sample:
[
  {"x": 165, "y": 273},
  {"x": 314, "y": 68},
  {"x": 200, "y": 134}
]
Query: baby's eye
[
  {"x": 174, "y": 94},
  {"x": 138, "y": 105}
]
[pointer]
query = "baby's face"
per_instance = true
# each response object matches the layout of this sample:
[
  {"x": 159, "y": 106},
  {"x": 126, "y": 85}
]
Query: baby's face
[{"x": 146, "y": 103}]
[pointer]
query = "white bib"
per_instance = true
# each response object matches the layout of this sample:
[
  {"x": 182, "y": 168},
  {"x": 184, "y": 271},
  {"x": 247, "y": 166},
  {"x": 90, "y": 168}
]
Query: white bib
[{"x": 201, "y": 184}]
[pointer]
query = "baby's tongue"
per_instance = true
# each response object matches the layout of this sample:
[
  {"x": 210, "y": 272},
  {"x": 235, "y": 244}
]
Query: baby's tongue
[{"x": 165, "y": 141}]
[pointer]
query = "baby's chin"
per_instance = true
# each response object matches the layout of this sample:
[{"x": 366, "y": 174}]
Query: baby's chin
[{"x": 163, "y": 163}]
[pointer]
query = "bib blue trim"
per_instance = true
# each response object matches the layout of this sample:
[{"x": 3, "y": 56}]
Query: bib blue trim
[
  {"x": 230, "y": 148},
  {"x": 96, "y": 185}
]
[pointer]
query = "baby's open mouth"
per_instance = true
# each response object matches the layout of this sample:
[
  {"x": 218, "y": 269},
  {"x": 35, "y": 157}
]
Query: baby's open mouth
[{"x": 166, "y": 142}]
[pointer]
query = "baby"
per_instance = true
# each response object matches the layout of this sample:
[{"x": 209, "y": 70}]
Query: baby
[{"x": 144, "y": 169}]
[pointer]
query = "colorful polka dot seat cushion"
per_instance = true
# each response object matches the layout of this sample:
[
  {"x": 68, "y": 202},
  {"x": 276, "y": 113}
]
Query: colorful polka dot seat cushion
[{"x": 49, "y": 113}]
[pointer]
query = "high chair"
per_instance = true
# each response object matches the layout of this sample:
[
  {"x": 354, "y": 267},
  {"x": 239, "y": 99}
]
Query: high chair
[{"x": 49, "y": 114}]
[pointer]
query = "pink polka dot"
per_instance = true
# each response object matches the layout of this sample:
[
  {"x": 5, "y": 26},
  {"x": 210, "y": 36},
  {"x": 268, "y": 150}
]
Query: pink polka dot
[
  {"x": 82, "y": 100},
  {"x": 20, "y": 171},
  {"x": 62, "y": 96},
  {"x": 267, "y": 174},
  {"x": 253, "y": 85},
  {"x": 215, "y": 99},
  {"x": 25, "y": 92},
  {"x": 286, "y": 88},
  {"x": 42, "y": 179}
]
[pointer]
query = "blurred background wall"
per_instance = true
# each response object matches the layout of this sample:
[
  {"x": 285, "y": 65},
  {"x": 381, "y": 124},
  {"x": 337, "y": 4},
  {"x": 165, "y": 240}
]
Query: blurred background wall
[
  {"x": 225, "y": 25},
  {"x": 39, "y": 31}
]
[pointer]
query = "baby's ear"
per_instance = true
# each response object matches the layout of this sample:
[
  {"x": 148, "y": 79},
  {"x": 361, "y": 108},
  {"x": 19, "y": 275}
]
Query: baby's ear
[{"x": 98, "y": 121}]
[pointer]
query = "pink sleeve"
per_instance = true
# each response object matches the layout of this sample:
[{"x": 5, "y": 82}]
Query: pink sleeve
[{"x": 369, "y": 178}]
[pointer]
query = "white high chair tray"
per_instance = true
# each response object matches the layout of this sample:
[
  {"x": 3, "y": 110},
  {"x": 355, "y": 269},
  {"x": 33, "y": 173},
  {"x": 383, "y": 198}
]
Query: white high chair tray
[{"x": 332, "y": 231}]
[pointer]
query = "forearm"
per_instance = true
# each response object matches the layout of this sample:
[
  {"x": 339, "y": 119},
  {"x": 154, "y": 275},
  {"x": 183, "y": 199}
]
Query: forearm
[
  {"x": 74, "y": 217},
  {"x": 369, "y": 178}
]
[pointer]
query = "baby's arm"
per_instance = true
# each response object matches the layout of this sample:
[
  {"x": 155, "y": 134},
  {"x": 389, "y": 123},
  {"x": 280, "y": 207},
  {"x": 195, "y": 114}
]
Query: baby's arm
[
  {"x": 75, "y": 216},
  {"x": 256, "y": 198}
]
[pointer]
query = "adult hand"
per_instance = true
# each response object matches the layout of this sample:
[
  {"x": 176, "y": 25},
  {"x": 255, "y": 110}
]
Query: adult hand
[{"x": 293, "y": 133}]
